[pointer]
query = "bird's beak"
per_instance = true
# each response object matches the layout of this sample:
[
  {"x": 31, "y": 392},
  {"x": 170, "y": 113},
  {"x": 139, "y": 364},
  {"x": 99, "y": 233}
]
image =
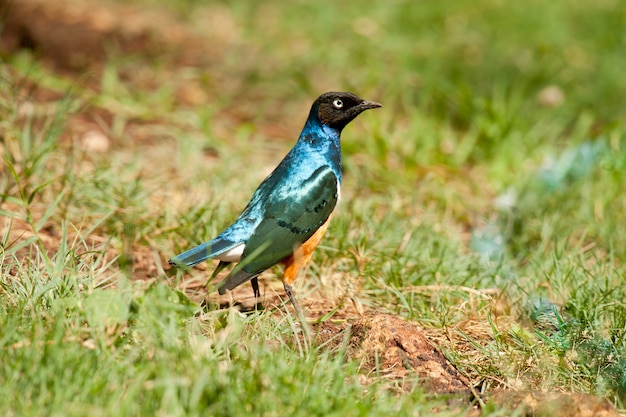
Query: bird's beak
[{"x": 369, "y": 105}]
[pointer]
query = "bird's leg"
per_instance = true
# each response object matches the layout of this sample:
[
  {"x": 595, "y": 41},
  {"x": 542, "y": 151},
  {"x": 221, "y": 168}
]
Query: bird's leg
[
  {"x": 255, "y": 287},
  {"x": 292, "y": 298},
  {"x": 292, "y": 266},
  {"x": 257, "y": 293},
  {"x": 296, "y": 307}
]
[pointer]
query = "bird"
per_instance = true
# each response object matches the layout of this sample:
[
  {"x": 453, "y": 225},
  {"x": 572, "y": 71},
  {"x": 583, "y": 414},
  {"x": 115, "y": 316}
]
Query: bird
[{"x": 290, "y": 210}]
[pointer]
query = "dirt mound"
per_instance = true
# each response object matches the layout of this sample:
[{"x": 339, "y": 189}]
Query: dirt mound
[{"x": 389, "y": 346}]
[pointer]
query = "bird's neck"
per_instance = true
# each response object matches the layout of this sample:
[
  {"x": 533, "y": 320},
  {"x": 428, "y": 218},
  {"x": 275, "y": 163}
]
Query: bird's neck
[
  {"x": 320, "y": 136},
  {"x": 318, "y": 140}
]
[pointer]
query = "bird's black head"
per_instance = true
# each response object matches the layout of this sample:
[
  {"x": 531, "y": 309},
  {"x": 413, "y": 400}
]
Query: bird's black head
[{"x": 337, "y": 109}]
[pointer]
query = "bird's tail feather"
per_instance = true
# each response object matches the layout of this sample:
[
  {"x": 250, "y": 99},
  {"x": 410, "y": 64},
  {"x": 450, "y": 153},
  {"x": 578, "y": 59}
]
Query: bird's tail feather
[
  {"x": 201, "y": 253},
  {"x": 193, "y": 256}
]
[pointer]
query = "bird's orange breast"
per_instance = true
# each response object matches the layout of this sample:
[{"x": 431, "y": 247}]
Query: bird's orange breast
[{"x": 302, "y": 255}]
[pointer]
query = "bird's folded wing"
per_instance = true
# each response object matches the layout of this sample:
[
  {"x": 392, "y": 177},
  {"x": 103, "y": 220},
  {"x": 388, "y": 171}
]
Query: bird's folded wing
[{"x": 289, "y": 221}]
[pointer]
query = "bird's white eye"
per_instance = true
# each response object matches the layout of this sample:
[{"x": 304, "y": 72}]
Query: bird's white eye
[{"x": 338, "y": 104}]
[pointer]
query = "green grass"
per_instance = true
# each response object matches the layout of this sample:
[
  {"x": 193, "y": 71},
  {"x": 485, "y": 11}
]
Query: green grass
[{"x": 468, "y": 179}]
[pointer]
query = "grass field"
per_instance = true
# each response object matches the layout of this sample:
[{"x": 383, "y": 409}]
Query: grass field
[{"x": 485, "y": 201}]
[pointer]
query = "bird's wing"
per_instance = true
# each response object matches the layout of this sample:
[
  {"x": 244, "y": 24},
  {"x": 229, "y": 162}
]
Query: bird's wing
[{"x": 290, "y": 219}]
